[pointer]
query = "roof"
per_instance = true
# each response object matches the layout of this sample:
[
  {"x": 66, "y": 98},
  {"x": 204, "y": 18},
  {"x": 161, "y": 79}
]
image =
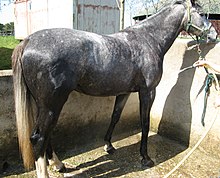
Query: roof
[{"x": 144, "y": 12}]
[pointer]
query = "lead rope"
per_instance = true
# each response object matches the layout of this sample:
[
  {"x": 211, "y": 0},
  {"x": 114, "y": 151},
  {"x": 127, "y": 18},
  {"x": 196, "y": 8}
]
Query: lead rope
[
  {"x": 214, "y": 78},
  {"x": 208, "y": 84},
  {"x": 210, "y": 78},
  {"x": 197, "y": 46}
]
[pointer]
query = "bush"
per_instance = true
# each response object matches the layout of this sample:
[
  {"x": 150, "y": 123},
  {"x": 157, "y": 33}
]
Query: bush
[{"x": 7, "y": 44}]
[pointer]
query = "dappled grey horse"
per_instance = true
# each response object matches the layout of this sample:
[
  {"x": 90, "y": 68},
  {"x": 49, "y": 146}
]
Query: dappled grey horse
[{"x": 51, "y": 63}]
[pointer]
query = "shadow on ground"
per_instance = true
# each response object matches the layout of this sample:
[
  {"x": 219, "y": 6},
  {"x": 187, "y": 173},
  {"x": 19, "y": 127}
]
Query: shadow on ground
[{"x": 125, "y": 160}]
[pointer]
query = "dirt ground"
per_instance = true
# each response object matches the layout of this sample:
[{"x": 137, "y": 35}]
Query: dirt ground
[{"x": 125, "y": 162}]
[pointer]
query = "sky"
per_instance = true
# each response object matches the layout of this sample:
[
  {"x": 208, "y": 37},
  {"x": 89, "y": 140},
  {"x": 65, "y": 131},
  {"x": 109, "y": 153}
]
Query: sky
[{"x": 6, "y": 13}]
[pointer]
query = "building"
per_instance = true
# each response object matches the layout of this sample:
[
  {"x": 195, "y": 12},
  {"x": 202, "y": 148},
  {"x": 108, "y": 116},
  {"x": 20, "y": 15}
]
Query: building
[{"x": 99, "y": 16}]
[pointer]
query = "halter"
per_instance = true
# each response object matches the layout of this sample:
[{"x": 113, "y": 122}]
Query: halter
[{"x": 202, "y": 31}]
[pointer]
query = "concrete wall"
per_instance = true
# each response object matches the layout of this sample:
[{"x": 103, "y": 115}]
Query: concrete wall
[
  {"x": 176, "y": 112},
  {"x": 8, "y": 136}
]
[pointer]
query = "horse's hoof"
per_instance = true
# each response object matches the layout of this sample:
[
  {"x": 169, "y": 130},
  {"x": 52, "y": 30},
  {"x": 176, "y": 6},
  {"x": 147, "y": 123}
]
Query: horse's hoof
[
  {"x": 147, "y": 163},
  {"x": 109, "y": 149},
  {"x": 62, "y": 169}
]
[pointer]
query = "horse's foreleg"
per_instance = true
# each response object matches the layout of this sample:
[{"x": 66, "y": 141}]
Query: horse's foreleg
[
  {"x": 118, "y": 107},
  {"x": 146, "y": 100},
  {"x": 53, "y": 159}
]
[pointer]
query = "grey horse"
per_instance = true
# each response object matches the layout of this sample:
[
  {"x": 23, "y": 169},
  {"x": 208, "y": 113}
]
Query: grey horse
[{"x": 51, "y": 63}]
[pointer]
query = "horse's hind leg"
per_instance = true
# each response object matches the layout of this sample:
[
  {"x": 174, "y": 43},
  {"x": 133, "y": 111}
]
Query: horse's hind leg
[
  {"x": 53, "y": 159},
  {"x": 39, "y": 141},
  {"x": 118, "y": 107},
  {"x": 41, "y": 167},
  {"x": 40, "y": 137},
  {"x": 41, "y": 164},
  {"x": 47, "y": 118}
]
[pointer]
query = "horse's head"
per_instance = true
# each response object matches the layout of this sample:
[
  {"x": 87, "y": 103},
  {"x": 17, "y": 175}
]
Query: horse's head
[{"x": 196, "y": 22}]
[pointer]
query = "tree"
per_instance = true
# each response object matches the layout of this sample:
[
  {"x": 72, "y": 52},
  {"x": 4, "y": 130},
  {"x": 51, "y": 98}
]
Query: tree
[
  {"x": 147, "y": 7},
  {"x": 132, "y": 7},
  {"x": 9, "y": 27},
  {"x": 153, "y": 6},
  {"x": 210, "y": 6},
  {"x": 1, "y": 27}
]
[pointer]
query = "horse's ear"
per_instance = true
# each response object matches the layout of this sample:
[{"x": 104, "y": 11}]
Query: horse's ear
[
  {"x": 193, "y": 2},
  {"x": 196, "y": 4}
]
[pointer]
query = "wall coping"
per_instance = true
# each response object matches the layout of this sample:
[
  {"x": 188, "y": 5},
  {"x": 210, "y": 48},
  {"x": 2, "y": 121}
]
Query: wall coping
[{"x": 4, "y": 73}]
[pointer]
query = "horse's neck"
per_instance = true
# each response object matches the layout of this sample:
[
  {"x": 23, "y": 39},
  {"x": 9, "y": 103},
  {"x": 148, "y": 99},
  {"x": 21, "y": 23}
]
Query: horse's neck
[{"x": 163, "y": 28}]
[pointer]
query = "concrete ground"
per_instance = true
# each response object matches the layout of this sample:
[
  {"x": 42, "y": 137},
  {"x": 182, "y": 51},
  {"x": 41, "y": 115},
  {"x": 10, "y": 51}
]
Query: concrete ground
[{"x": 125, "y": 162}]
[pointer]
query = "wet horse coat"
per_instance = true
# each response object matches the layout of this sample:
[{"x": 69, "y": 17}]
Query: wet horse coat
[{"x": 53, "y": 62}]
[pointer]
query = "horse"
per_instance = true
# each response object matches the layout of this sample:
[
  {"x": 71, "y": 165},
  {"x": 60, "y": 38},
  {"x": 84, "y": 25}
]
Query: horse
[{"x": 49, "y": 64}]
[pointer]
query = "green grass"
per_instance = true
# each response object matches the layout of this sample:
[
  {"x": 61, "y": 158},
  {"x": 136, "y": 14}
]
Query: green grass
[{"x": 7, "y": 44}]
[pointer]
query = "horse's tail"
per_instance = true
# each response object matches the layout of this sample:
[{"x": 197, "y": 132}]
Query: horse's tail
[{"x": 23, "y": 107}]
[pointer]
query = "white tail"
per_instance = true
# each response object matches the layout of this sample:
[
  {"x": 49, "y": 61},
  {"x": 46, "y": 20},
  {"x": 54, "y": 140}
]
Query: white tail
[{"x": 23, "y": 107}]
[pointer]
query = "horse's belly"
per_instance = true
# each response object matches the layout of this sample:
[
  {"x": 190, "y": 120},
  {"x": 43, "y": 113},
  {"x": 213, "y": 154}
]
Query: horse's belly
[
  {"x": 106, "y": 87},
  {"x": 105, "y": 92}
]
